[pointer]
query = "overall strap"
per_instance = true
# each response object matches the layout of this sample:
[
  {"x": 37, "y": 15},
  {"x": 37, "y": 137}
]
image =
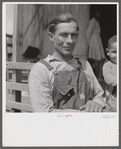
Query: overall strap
[
  {"x": 49, "y": 67},
  {"x": 82, "y": 63},
  {"x": 79, "y": 62}
]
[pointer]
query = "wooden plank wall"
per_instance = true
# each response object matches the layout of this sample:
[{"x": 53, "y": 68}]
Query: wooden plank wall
[{"x": 37, "y": 35}]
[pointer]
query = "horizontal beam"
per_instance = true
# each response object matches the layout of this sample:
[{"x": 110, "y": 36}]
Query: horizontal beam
[
  {"x": 9, "y": 35},
  {"x": 17, "y": 86},
  {"x": 19, "y": 106},
  {"x": 19, "y": 65},
  {"x": 9, "y": 45}
]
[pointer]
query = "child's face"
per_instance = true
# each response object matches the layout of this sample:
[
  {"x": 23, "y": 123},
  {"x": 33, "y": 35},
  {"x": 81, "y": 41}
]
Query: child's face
[{"x": 113, "y": 52}]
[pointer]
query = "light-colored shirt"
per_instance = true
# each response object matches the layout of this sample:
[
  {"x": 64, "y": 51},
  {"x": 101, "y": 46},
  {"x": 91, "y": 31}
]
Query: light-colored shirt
[
  {"x": 41, "y": 83},
  {"x": 110, "y": 77},
  {"x": 110, "y": 73}
]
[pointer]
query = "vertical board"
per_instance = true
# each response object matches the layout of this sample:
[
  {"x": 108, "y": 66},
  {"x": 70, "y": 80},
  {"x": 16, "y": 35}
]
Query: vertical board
[{"x": 18, "y": 46}]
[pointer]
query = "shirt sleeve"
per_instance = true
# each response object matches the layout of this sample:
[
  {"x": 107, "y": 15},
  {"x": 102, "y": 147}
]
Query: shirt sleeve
[
  {"x": 40, "y": 90},
  {"x": 98, "y": 91},
  {"x": 109, "y": 77}
]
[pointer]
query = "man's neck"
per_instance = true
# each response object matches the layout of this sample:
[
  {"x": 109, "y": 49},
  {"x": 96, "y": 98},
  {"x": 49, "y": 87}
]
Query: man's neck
[{"x": 62, "y": 57}]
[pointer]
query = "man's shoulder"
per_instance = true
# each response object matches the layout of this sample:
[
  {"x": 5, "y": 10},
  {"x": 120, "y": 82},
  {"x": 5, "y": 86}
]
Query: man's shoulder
[
  {"x": 81, "y": 59},
  {"x": 41, "y": 63},
  {"x": 83, "y": 62},
  {"x": 46, "y": 62}
]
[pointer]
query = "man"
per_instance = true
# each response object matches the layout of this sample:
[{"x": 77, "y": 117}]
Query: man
[{"x": 61, "y": 82}]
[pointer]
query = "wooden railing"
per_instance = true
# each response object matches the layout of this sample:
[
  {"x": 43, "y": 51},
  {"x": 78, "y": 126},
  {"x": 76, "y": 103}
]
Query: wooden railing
[{"x": 13, "y": 87}]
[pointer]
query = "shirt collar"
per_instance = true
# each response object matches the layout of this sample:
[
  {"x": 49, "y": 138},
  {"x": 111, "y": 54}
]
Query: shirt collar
[{"x": 56, "y": 57}]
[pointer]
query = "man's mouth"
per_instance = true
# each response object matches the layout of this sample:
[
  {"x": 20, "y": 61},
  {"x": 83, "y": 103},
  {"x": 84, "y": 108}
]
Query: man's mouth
[{"x": 68, "y": 48}]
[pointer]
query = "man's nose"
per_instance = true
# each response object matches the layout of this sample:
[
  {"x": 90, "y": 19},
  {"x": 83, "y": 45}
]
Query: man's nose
[{"x": 69, "y": 39}]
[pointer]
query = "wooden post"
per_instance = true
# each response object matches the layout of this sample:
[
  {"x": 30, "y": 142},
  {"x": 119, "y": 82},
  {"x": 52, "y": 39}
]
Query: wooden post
[
  {"x": 17, "y": 46},
  {"x": 81, "y": 13}
]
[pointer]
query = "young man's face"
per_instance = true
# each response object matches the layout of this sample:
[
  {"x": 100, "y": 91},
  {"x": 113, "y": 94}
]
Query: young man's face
[
  {"x": 65, "y": 38},
  {"x": 113, "y": 52}
]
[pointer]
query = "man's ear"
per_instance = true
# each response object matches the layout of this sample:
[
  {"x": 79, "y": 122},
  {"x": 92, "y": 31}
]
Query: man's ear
[
  {"x": 51, "y": 36},
  {"x": 107, "y": 51}
]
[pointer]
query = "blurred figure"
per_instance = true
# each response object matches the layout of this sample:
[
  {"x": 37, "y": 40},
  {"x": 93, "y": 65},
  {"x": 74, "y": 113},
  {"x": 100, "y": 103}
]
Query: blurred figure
[{"x": 96, "y": 54}]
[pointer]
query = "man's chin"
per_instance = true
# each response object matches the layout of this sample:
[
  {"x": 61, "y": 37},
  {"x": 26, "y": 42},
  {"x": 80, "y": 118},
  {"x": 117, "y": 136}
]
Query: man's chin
[{"x": 67, "y": 53}]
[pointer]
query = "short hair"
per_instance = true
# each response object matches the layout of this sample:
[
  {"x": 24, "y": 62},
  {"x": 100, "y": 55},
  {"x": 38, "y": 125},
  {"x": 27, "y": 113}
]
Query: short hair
[
  {"x": 60, "y": 19},
  {"x": 112, "y": 40}
]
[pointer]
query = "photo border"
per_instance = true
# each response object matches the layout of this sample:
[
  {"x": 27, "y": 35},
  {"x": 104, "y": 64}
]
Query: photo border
[{"x": 7, "y": 115}]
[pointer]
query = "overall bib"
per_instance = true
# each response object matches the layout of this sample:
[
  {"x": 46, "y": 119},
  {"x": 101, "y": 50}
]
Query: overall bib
[{"x": 71, "y": 88}]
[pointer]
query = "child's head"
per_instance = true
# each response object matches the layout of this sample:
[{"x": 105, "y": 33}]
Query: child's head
[{"x": 112, "y": 49}]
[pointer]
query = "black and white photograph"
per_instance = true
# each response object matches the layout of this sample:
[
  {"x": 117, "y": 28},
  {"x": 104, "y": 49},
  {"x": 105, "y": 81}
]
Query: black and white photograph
[{"x": 60, "y": 73}]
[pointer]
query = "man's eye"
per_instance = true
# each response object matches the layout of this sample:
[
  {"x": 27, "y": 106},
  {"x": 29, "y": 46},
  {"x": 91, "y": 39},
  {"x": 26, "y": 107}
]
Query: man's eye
[
  {"x": 74, "y": 35},
  {"x": 64, "y": 35}
]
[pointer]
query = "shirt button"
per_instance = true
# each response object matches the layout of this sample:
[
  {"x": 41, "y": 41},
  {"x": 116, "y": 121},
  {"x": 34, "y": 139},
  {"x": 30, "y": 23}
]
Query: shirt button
[{"x": 55, "y": 73}]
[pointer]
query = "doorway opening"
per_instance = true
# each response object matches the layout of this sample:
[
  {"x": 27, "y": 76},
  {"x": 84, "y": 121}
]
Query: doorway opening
[{"x": 108, "y": 21}]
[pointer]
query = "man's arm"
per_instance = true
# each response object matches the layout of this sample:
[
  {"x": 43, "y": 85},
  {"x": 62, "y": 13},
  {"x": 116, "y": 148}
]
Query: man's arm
[
  {"x": 98, "y": 91},
  {"x": 41, "y": 90},
  {"x": 97, "y": 103}
]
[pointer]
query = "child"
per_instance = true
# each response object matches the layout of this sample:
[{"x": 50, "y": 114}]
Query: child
[{"x": 110, "y": 73}]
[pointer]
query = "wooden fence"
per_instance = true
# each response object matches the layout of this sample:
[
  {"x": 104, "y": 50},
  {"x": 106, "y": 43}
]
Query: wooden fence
[{"x": 14, "y": 89}]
